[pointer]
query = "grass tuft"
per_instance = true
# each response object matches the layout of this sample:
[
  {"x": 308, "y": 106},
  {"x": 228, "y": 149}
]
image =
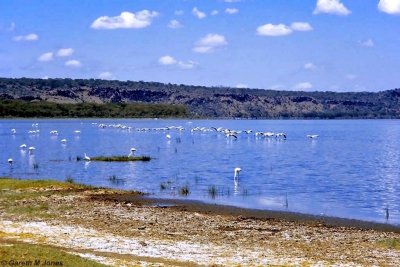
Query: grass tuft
[
  {"x": 121, "y": 158},
  {"x": 391, "y": 243}
]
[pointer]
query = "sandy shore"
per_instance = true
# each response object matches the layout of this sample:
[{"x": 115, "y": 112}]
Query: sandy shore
[{"x": 127, "y": 229}]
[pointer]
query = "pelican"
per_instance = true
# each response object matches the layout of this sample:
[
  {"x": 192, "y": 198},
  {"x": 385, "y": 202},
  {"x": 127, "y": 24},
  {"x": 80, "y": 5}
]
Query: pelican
[
  {"x": 236, "y": 172},
  {"x": 86, "y": 157},
  {"x": 10, "y": 161},
  {"x": 23, "y": 146},
  {"x": 13, "y": 131},
  {"x": 280, "y": 135},
  {"x": 77, "y": 132},
  {"x": 168, "y": 136},
  {"x": 132, "y": 153},
  {"x": 31, "y": 149},
  {"x": 64, "y": 141},
  {"x": 54, "y": 132},
  {"x": 231, "y": 135},
  {"x": 312, "y": 136}
]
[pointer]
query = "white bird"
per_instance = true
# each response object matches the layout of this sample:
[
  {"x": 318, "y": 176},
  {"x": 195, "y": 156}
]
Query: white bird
[
  {"x": 77, "y": 132},
  {"x": 64, "y": 141},
  {"x": 312, "y": 135},
  {"x": 280, "y": 135},
  {"x": 31, "y": 149},
  {"x": 23, "y": 146},
  {"x": 168, "y": 136},
  {"x": 86, "y": 157},
  {"x": 54, "y": 132},
  {"x": 13, "y": 131},
  {"x": 10, "y": 160},
  {"x": 236, "y": 172},
  {"x": 132, "y": 153}
]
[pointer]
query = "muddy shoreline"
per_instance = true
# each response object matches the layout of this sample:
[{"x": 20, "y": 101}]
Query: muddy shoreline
[{"x": 257, "y": 214}]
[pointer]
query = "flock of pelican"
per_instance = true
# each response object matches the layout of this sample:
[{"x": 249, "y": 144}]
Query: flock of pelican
[{"x": 229, "y": 133}]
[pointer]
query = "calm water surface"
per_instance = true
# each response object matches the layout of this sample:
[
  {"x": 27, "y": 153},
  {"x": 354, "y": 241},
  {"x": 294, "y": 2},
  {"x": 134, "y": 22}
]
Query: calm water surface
[{"x": 352, "y": 170}]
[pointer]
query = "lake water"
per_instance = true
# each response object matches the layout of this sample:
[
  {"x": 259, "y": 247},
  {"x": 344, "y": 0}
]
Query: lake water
[{"x": 351, "y": 170}]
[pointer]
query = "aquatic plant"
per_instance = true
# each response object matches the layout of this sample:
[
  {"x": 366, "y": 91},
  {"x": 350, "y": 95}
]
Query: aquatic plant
[
  {"x": 184, "y": 190},
  {"x": 70, "y": 180},
  {"x": 121, "y": 158}
]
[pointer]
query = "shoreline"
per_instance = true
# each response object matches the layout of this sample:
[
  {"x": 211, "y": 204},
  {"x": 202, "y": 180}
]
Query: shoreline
[{"x": 128, "y": 228}]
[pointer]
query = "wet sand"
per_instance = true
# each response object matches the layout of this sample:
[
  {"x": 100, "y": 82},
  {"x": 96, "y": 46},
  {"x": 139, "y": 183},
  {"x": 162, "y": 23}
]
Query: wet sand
[{"x": 129, "y": 229}]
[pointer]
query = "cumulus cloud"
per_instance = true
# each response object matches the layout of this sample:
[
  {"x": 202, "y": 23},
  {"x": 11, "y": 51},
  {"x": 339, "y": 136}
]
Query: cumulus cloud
[
  {"x": 367, "y": 43},
  {"x": 301, "y": 26},
  {"x": 274, "y": 30},
  {"x": 390, "y": 6},
  {"x": 334, "y": 7},
  {"x": 106, "y": 75},
  {"x": 303, "y": 86},
  {"x": 214, "y": 12},
  {"x": 174, "y": 24},
  {"x": 199, "y": 14},
  {"x": 126, "y": 20},
  {"x": 28, "y": 37},
  {"x": 65, "y": 52},
  {"x": 49, "y": 56},
  {"x": 309, "y": 66},
  {"x": 167, "y": 60},
  {"x": 209, "y": 43},
  {"x": 73, "y": 63},
  {"x": 170, "y": 61},
  {"x": 231, "y": 11}
]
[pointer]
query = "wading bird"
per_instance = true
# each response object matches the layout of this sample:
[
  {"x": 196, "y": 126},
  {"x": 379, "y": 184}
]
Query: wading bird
[
  {"x": 236, "y": 172},
  {"x": 132, "y": 153},
  {"x": 86, "y": 157}
]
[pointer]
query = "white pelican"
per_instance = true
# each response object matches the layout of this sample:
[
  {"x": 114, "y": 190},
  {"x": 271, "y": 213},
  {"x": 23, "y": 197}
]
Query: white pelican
[
  {"x": 280, "y": 135},
  {"x": 31, "y": 149},
  {"x": 168, "y": 136},
  {"x": 236, "y": 172},
  {"x": 312, "y": 135},
  {"x": 54, "y": 132},
  {"x": 64, "y": 141},
  {"x": 86, "y": 157},
  {"x": 77, "y": 132},
  {"x": 13, "y": 131},
  {"x": 10, "y": 160},
  {"x": 23, "y": 146},
  {"x": 132, "y": 153},
  {"x": 231, "y": 135}
]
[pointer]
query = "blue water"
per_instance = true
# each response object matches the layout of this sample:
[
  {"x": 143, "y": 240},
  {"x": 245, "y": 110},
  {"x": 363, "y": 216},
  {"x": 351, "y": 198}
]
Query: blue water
[{"x": 351, "y": 170}]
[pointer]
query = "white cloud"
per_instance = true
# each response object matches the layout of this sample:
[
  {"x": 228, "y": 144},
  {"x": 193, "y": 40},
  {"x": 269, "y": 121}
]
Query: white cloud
[
  {"x": 301, "y": 26},
  {"x": 199, "y": 14},
  {"x": 170, "y": 61},
  {"x": 174, "y": 24},
  {"x": 187, "y": 65},
  {"x": 45, "y": 78},
  {"x": 179, "y": 12},
  {"x": 167, "y": 60},
  {"x": 242, "y": 85},
  {"x": 303, "y": 86},
  {"x": 274, "y": 30},
  {"x": 73, "y": 63},
  {"x": 231, "y": 11},
  {"x": 65, "y": 52},
  {"x": 367, "y": 43},
  {"x": 106, "y": 75},
  {"x": 209, "y": 43},
  {"x": 126, "y": 20},
  {"x": 309, "y": 66},
  {"x": 49, "y": 56},
  {"x": 214, "y": 12},
  {"x": 331, "y": 7},
  {"x": 390, "y": 6},
  {"x": 28, "y": 37}
]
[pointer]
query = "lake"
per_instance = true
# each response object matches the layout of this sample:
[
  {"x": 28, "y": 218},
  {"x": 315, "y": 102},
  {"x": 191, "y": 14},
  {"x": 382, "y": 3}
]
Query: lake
[{"x": 351, "y": 170}]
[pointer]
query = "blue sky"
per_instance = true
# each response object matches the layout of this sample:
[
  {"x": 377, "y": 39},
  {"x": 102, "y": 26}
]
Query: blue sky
[{"x": 335, "y": 45}]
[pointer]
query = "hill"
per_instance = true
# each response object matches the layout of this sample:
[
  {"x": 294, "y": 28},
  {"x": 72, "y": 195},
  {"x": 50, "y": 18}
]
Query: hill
[{"x": 208, "y": 102}]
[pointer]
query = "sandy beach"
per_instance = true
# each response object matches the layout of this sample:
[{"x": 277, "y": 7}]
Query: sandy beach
[{"x": 119, "y": 228}]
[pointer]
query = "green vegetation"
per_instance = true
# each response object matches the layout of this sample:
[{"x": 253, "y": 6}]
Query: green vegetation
[
  {"x": 184, "y": 191},
  {"x": 13, "y": 184},
  {"x": 26, "y": 97},
  {"x": 120, "y": 158},
  {"x": 20, "y": 108},
  {"x": 392, "y": 243},
  {"x": 12, "y": 253}
]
